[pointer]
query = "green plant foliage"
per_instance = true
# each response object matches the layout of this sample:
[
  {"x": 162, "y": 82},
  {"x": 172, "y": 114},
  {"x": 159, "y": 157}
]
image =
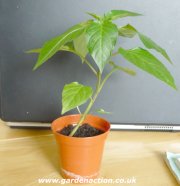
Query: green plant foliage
[
  {"x": 126, "y": 70},
  {"x": 116, "y": 14},
  {"x": 80, "y": 45},
  {"x": 149, "y": 43},
  {"x": 98, "y": 37},
  {"x": 34, "y": 50},
  {"x": 102, "y": 111},
  {"x": 94, "y": 15},
  {"x": 129, "y": 31},
  {"x": 68, "y": 47},
  {"x": 74, "y": 94},
  {"x": 52, "y": 46},
  {"x": 102, "y": 37},
  {"x": 149, "y": 63}
]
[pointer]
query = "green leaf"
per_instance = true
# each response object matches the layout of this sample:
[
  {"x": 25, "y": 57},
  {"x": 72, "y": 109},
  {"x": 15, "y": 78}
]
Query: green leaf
[
  {"x": 149, "y": 43},
  {"x": 75, "y": 94},
  {"x": 102, "y": 37},
  {"x": 80, "y": 45},
  {"x": 94, "y": 15},
  {"x": 127, "y": 31},
  {"x": 149, "y": 63},
  {"x": 68, "y": 47},
  {"x": 115, "y": 14},
  {"x": 102, "y": 111},
  {"x": 126, "y": 70},
  {"x": 34, "y": 50},
  {"x": 53, "y": 45}
]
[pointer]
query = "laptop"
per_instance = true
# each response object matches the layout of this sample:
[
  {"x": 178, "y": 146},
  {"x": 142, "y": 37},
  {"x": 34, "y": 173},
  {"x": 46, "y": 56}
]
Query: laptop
[{"x": 33, "y": 98}]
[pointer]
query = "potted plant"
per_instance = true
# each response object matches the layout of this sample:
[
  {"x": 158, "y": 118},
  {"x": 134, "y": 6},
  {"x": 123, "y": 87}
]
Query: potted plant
[{"x": 81, "y": 136}]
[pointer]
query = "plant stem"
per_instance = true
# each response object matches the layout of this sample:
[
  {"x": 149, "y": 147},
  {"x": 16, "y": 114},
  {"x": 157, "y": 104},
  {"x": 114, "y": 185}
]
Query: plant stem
[
  {"x": 115, "y": 53},
  {"x": 84, "y": 58},
  {"x": 83, "y": 116},
  {"x": 78, "y": 110},
  {"x": 99, "y": 87},
  {"x": 90, "y": 66},
  {"x": 107, "y": 77}
]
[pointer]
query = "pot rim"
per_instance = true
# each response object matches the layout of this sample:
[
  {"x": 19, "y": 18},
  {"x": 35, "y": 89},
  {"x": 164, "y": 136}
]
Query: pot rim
[{"x": 80, "y": 138}]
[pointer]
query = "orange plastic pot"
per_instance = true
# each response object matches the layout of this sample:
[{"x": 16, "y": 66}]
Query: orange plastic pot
[{"x": 80, "y": 157}]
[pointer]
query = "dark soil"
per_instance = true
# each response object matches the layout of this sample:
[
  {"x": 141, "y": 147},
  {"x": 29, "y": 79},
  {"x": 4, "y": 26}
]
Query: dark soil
[{"x": 84, "y": 130}]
